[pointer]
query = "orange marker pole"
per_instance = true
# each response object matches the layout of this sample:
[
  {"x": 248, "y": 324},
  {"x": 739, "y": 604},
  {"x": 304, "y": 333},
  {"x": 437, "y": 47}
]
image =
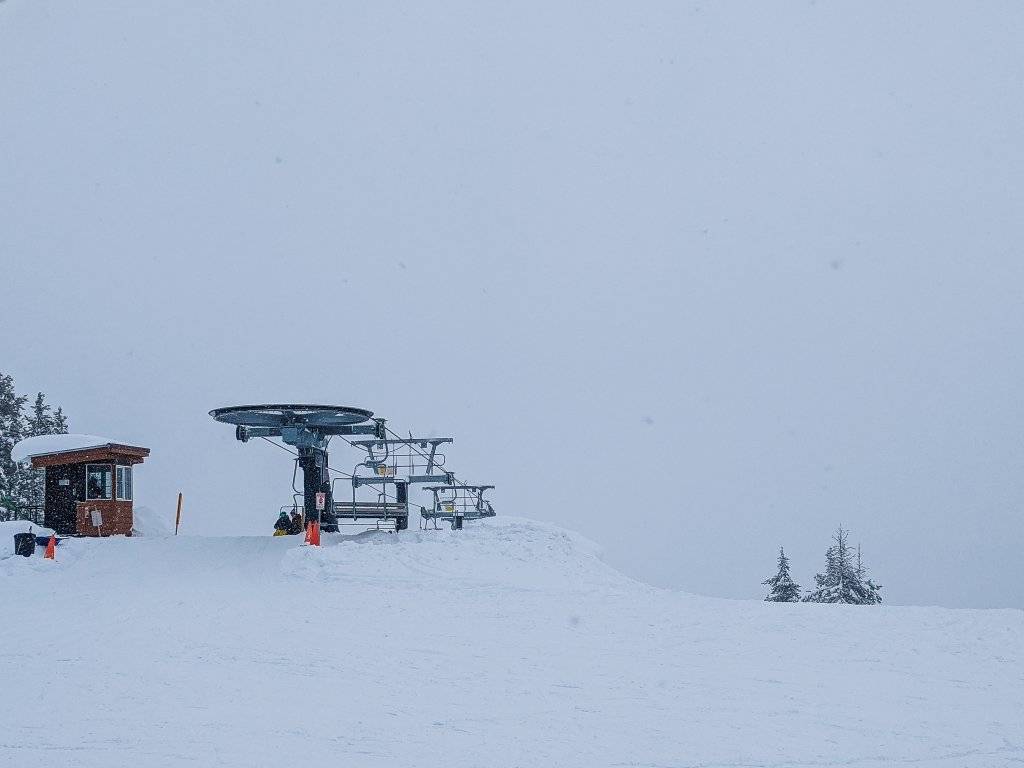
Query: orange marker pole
[{"x": 177, "y": 517}]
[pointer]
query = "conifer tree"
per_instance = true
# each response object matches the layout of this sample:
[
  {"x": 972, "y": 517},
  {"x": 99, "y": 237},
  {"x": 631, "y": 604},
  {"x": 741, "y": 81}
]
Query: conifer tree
[
  {"x": 12, "y": 428},
  {"x": 844, "y": 578},
  {"x": 44, "y": 421},
  {"x": 22, "y": 487},
  {"x": 41, "y": 420},
  {"x": 839, "y": 582},
  {"x": 871, "y": 593},
  {"x": 781, "y": 587},
  {"x": 31, "y": 489},
  {"x": 60, "y": 422}
]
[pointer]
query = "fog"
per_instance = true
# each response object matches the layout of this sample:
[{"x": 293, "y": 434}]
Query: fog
[{"x": 698, "y": 280}]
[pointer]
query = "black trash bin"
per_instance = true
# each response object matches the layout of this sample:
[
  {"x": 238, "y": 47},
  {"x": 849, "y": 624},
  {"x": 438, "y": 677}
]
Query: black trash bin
[{"x": 24, "y": 544}]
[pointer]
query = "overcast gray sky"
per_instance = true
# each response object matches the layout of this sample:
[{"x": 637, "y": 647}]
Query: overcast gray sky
[{"x": 697, "y": 279}]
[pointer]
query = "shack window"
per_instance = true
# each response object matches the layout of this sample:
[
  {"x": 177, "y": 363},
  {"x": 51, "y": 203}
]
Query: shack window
[
  {"x": 98, "y": 481},
  {"x": 124, "y": 483}
]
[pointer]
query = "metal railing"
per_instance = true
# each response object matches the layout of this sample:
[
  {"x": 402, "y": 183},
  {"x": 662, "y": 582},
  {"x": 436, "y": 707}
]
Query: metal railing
[{"x": 33, "y": 514}]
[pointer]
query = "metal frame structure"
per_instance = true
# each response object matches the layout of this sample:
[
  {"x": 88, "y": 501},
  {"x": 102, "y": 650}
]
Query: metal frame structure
[
  {"x": 386, "y": 462},
  {"x": 309, "y": 428},
  {"x": 381, "y": 509},
  {"x": 389, "y": 460},
  {"x": 466, "y": 503}
]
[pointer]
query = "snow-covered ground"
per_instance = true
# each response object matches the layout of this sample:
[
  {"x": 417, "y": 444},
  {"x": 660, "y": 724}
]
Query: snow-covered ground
[{"x": 507, "y": 644}]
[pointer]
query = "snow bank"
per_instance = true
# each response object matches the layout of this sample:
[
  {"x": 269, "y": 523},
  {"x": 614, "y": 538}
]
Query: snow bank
[
  {"x": 149, "y": 522},
  {"x": 11, "y": 527},
  {"x": 8, "y": 528},
  {"x": 35, "y": 446},
  {"x": 515, "y": 552}
]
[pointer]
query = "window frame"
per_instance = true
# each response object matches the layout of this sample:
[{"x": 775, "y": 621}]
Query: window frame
[
  {"x": 127, "y": 470},
  {"x": 109, "y": 487}
]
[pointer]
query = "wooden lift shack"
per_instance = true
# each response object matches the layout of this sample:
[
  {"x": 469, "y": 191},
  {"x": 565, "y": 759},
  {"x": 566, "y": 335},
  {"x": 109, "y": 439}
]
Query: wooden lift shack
[{"x": 89, "y": 489}]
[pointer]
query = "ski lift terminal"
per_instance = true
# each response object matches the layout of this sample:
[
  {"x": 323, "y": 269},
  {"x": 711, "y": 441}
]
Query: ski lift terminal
[{"x": 391, "y": 464}]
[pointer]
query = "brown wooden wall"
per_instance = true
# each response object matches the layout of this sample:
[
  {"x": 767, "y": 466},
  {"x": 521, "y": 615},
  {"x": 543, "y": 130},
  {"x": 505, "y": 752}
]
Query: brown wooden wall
[{"x": 117, "y": 517}]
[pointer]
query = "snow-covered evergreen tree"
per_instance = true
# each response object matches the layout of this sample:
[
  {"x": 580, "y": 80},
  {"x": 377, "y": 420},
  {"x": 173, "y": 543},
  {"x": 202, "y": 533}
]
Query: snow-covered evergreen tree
[
  {"x": 781, "y": 587},
  {"x": 843, "y": 580},
  {"x": 12, "y": 428},
  {"x": 31, "y": 488},
  {"x": 20, "y": 487},
  {"x": 59, "y": 425},
  {"x": 40, "y": 420},
  {"x": 838, "y": 582},
  {"x": 44, "y": 420},
  {"x": 871, "y": 592}
]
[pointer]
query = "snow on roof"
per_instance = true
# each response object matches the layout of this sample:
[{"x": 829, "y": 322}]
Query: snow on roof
[{"x": 43, "y": 444}]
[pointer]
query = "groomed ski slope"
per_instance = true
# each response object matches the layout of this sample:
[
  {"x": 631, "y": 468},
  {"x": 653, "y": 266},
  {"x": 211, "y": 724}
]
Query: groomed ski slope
[{"x": 507, "y": 644}]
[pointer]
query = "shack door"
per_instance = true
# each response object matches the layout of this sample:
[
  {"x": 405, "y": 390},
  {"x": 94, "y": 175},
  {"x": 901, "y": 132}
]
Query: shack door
[{"x": 60, "y": 498}]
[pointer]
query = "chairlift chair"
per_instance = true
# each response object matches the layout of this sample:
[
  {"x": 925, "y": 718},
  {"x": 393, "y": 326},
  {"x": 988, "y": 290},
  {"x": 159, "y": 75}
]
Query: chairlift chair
[
  {"x": 458, "y": 503},
  {"x": 382, "y": 455},
  {"x": 382, "y": 509}
]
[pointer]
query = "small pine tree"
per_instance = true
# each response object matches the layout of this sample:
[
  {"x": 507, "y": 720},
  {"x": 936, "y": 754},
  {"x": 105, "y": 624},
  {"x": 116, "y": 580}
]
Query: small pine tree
[
  {"x": 40, "y": 420},
  {"x": 59, "y": 426},
  {"x": 781, "y": 587},
  {"x": 843, "y": 580}
]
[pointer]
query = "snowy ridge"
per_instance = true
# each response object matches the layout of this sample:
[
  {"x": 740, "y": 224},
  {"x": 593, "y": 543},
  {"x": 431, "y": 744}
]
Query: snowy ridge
[
  {"x": 507, "y": 644},
  {"x": 511, "y": 552}
]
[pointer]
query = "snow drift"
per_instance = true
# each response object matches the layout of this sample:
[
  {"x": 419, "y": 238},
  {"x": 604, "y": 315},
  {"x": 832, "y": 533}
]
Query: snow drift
[
  {"x": 147, "y": 521},
  {"x": 8, "y": 529},
  {"x": 507, "y": 644}
]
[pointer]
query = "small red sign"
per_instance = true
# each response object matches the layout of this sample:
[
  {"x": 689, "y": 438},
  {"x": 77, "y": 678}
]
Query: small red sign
[{"x": 321, "y": 501}]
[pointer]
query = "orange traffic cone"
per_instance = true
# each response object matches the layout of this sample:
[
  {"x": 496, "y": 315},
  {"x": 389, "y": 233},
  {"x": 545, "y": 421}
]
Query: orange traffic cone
[
  {"x": 51, "y": 549},
  {"x": 313, "y": 534}
]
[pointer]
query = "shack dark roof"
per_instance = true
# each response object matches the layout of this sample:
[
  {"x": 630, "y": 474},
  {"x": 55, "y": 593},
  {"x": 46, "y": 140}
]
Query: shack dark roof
[
  {"x": 113, "y": 452},
  {"x": 57, "y": 450}
]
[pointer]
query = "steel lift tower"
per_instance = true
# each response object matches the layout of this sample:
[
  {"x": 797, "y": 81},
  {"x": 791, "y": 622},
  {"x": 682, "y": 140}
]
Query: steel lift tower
[{"x": 309, "y": 428}]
